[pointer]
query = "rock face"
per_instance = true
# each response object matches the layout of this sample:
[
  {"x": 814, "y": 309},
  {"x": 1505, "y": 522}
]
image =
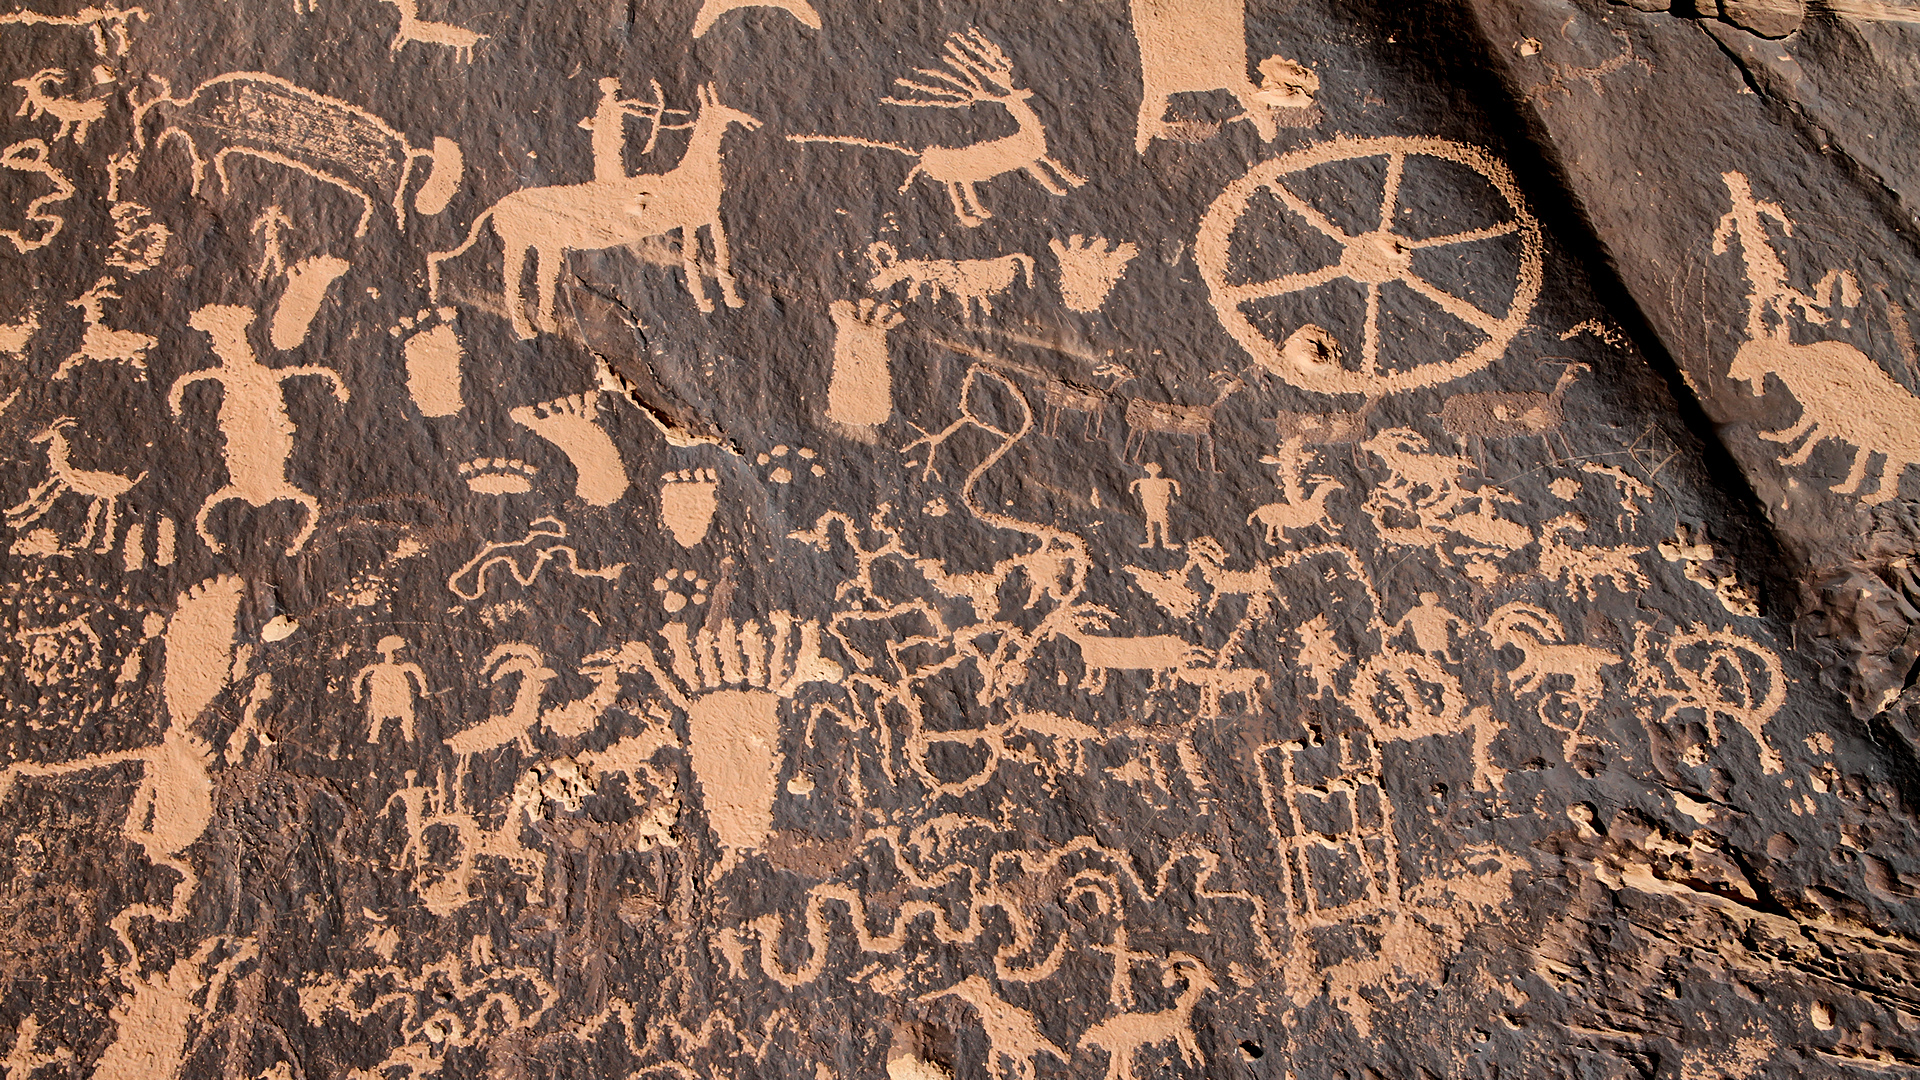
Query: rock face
[{"x": 856, "y": 538}]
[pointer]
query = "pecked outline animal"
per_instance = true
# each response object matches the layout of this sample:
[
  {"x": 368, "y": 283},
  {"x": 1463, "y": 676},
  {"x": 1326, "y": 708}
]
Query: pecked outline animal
[
  {"x": 1475, "y": 418},
  {"x": 970, "y": 281},
  {"x": 601, "y": 214}
]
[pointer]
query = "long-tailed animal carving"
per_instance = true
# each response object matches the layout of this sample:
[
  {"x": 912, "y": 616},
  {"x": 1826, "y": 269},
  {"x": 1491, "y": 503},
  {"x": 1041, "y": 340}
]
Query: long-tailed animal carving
[
  {"x": 970, "y": 281},
  {"x": 1843, "y": 394},
  {"x": 253, "y": 114},
  {"x": 1193, "y": 48},
  {"x": 1127, "y": 1034},
  {"x": 413, "y": 28},
  {"x": 977, "y": 73},
  {"x": 601, "y": 214},
  {"x": 1475, "y": 418},
  {"x": 1159, "y": 654},
  {"x": 76, "y": 116},
  {"x": 102, "y": 490},
  {"x": 254, "y": 426}
]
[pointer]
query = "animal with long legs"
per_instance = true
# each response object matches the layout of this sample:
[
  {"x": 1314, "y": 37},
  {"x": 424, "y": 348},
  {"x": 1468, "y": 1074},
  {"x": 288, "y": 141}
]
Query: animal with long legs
[
  {"x": 102, "y": 490},
  {"x": 977, "y": 72},
  {"x": 76, "y": 115},
  {"x": 601, "y": 214}
]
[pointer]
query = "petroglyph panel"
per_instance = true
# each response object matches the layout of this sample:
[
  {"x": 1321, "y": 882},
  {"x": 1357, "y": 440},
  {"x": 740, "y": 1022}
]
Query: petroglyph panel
[{"x": 878, "y": 538}]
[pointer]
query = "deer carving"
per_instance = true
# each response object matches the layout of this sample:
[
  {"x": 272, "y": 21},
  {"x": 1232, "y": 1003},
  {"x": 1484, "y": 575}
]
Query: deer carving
[
  {"x": 75, "y": 116},
  {"x": 977, "y": 72},
  {"x": 601, "y": 214},
  {"x": 102, "y": 342},
  {"x": 102, "y": 490},
  {"x": 413, "y": 28},
  {"x": 1165, "y": 418}
]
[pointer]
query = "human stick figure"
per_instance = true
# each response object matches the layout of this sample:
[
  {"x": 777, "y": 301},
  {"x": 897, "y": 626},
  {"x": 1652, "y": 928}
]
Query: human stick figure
[
  {"x": 388, "y": 687},
  {"x": 1156, "y": 494},
  {"x": 253, "y": 420}
]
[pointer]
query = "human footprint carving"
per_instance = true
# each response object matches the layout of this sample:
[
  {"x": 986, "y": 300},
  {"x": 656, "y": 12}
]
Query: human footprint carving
[
  {"x": 731, "y": 678},
  {"x": 860, "y": 392},
  {"x": 307, "y": 284},
  {"x": 1090, "y": 268},
  {"x": 687, "y": 504},
  {"x": 570, "y": 423},
  {"x": 433, "y": 362}
]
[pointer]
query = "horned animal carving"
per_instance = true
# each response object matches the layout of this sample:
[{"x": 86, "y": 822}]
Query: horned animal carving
[
  {"x": 102, "y": 490},
  {"x": 601, "y": 214},
  {"x": 76, "y": 116},
  {"x": 978, "y": 72}
]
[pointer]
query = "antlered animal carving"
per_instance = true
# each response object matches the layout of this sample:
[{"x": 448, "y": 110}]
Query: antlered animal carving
[{"x": 977, "y": 72}]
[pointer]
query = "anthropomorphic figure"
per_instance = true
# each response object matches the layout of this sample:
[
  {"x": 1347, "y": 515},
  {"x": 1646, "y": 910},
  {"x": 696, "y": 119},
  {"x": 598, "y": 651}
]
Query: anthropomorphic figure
[
  {"x": 388, "y": 687},
  {"x": 1156, "y": 494}
]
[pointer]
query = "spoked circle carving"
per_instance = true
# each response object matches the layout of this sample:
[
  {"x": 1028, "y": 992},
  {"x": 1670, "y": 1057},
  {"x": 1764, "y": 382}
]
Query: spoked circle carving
[{"x": 1380, "y": 260}]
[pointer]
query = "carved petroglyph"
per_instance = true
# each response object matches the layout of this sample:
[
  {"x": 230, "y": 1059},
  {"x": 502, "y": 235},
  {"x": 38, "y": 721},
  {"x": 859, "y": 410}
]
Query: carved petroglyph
[
  {"x": 100, "y": 342},
  {"x": 389, "y": 687},
  {"x": 253, "y": 114},
  {"x": 434, "y": 356},
  {"x": 1385, "y": 256},
  {"x": 413, "y": 28},
  {"x": 860, "y": 389},
  {"x": 1696, "y": 558},
  {"x": 977, "y": 72},
  {"x": 307, "y": 284},
  {"x": 1156, "y": 494},
  {"x": 712, "y": 10},
  {"x": 570, "y": 423},
  {"x": 1122, "y": 1037},
  {"x": 1146, "y": 418},
  {"x": 106, "y": 27},
  {"x": 1191, "y": 49},
  {"x": 524, "y": 559},
  {"x": 1302, "y": 508},
  {"x": 256, "y": 434},
  {"x": 31, "y": 156},
  {"x": 687, "y": 504},
  {"x": 1546, "y": 653},
  {"x": 972, "y": 282},
  {"x": 731, "y": 679},
  {"x": 1475, "y": 418},
  {"x": 1843, "y": 394},
  {"x": 76, "y": 115},
  {"x": 1090, "y": 268},
  {"x": 1013, "y": 1038},
  {"x": 601, "y": 214},
  {"x": 101, "y": 490}
]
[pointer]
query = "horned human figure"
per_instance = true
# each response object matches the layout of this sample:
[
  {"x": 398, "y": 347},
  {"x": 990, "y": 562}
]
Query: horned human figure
[
  {"x": 609, "y": 213},
  {"x": 253, "y": 420}
]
